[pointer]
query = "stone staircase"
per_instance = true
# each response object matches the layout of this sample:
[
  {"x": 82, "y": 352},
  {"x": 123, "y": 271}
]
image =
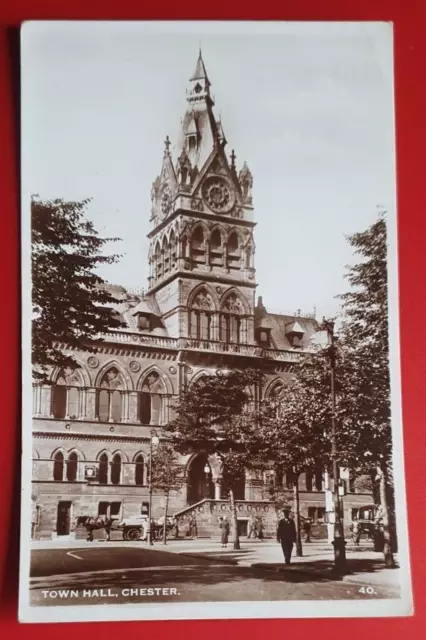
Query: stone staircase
[{"x": 208, "y": 511}]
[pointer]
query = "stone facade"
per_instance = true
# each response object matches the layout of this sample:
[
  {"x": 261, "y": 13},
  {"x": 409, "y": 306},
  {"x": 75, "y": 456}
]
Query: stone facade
[{"x": 92, "y": 426}]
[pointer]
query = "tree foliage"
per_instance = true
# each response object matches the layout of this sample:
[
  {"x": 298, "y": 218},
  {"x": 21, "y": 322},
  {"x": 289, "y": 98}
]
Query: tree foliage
[
  {"x": 165, "y": 468},
  {"x": 71, "y": 305}
]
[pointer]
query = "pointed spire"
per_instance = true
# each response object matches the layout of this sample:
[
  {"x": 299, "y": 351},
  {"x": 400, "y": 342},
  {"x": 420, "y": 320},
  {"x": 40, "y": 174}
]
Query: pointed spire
[{"x": 200, "y": 72}]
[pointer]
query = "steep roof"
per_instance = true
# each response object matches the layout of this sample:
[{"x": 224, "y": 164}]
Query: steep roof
[
  {"x": 200, "y": 72},
  {"x": 279, "y": 326}
]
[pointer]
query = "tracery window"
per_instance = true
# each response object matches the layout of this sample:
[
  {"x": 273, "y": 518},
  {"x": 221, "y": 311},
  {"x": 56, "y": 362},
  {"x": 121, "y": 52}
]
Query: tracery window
[
  {"x": 66, "y": 395},
  {"x": 109, "y": 397},
  {"x": 151, "y": 400},
  {"x": 200, "y": 316},
  {"x": 231, "y": 319}
]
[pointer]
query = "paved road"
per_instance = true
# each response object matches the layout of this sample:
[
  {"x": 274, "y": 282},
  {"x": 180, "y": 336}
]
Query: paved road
[{"x": 102, "y": 575}]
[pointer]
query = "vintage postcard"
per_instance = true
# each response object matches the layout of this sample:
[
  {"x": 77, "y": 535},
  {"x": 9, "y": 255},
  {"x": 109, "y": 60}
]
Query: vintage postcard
[{"x": 211, "y": 380}]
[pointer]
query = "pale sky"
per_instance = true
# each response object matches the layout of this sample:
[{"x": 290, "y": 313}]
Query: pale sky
[{"x": 309, "y": 106}]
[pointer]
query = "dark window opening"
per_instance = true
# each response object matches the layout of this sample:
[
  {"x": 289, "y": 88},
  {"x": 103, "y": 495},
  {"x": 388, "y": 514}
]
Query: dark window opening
[
  {"x": 58, "y": 467},
  {"x": 72, "y": 467},
  {"x": 103, "y": 469},
  {"x": 116, "y": 469}
]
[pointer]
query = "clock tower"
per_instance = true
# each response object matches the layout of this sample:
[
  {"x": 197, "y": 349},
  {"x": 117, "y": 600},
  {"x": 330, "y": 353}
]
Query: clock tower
[{"x": 201, "y": 254}]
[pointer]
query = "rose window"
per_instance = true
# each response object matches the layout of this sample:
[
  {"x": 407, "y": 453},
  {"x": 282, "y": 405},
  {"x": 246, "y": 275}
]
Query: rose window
[{"x": 218, "y": 195}]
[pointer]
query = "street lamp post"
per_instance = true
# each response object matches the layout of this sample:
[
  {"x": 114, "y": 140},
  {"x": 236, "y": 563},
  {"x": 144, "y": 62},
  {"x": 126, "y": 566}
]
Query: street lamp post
[
  {"x": 153, "y": 441},
  {"x": 207, "y": 472},
  {"x": 339, "y": 542}
]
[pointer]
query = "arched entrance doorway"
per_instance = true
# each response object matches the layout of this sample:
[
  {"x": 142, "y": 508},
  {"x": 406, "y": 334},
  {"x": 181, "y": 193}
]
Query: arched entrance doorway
[{"x": 200, "y": 482}]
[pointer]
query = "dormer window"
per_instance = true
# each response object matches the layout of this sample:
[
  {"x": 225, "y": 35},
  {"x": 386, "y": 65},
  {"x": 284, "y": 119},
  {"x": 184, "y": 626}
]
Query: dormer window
[
  {"x": 263, "y": 336},
  {"x": 192, "y": 142},
  {"x": 143, "y": 322},
  {"x": 198, "y": 88},
  {"x": 294, "y": 334}
]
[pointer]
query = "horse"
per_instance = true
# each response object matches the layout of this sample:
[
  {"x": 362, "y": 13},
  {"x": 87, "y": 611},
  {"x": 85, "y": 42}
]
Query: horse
[{"x": 100, "y": 522}]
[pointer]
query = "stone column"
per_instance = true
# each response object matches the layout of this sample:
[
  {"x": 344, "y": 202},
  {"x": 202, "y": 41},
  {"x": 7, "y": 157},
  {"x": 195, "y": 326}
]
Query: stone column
[
  {"x": 217, "y": 487},
  {"x": 215, "y": 326},
  {"x": 91, "y": 403},
  {"x": 37, "y": 400},
  {"x": 46, "y": 401},
  {"x": 132, "y": 406}
]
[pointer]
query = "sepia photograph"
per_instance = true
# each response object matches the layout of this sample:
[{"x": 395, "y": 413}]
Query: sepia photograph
[{"x": 210, "y": 326}]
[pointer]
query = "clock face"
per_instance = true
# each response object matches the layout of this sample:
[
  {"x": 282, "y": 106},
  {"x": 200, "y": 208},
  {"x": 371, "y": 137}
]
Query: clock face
[
  {"x": 165, "y": 200},
  {"x": 218, "y": 195}
]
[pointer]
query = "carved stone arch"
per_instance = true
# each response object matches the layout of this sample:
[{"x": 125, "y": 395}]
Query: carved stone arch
[
  {"x": 213, "y": 460},
  {"x": 80, "y": 455},
  {"x": 123, "y": 456},
  {"x": 101, "y": 453},
  {"x": 233, "y": 291},
  {"x": 200, "y": 224},
  {"x": 58, "y": 450},
  {"x": 222, "y": 231},
  {"x": 164, "y": 242},
  {"x": 239, "y": 233},
  {"x": 276, "y": 383},
  {"x": 167, "y": 384},
  {"x": 139, "y": 454},
  {"x": 197, "y": 289},
  {"x": 126, "y": 379},
  {"x": 35, "y": 454},
  {"x": 200, "y": 374}
]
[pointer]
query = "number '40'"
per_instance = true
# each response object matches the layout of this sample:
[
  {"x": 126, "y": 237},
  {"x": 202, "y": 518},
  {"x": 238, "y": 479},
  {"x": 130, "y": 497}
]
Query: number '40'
[{"x": 369, "y": 591}]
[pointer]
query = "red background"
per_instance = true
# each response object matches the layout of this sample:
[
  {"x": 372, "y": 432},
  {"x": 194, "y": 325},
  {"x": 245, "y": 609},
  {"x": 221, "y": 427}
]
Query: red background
[{"x": 409, "y": 18}]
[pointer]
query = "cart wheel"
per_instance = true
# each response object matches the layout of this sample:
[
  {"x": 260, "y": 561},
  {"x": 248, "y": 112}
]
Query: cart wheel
[
  {"x": 125, "y": 535},
  {"x": 133, "y": 534}
]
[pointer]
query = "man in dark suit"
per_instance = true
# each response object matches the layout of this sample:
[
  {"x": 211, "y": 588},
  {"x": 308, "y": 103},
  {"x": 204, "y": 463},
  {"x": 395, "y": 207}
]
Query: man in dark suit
[{"x": 286, "y": 534}]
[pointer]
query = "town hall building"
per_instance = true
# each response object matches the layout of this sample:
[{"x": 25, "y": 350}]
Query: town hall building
[{"x": 93, "y": 426}]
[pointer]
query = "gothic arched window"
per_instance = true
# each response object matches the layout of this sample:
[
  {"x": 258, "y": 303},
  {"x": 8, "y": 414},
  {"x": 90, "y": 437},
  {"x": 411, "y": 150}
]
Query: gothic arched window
[
  {"x": 103, "y": 469},
  {"x": 166, "y": 255},
  {"x": 158, "y": 263},
  {"x": 109, "y": 398},
  {"x": 59, "y": 397},
  {"x": 216, "y": 248},
  {"x": 58, "y": 467},
  {"x": 72, "y": 467},
  {"x": 197, "y": 245},
  {"x": 151, "y": 400},
  {"x": 139, "y": 470},
  {"x": 116, "y": 469},
  {"x": 173, "y": 252},
  {"x": 231, "y": 314},
  {"x": 200, "y": 316}
]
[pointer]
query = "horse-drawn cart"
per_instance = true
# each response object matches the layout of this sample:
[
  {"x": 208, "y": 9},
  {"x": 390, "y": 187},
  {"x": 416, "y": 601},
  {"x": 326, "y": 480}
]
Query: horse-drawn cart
[{"x": 136, "y": 528}]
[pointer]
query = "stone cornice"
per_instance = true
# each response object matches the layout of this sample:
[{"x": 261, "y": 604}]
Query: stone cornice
[{"x": 69, "y": 435}]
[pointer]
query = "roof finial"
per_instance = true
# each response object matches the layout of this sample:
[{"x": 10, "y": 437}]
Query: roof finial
[
  {"x": 167, "y": 144},
  {"x": 233, "y": 158}
]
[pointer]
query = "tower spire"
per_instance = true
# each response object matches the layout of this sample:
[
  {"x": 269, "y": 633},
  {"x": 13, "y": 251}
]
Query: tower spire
[{"x": 200, "y": 72}]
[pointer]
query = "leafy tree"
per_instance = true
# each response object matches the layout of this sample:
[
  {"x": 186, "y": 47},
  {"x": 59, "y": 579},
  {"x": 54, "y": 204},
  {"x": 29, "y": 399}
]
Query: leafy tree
[
  {"x": 292, "y": 435},
  {"x": 71, "y": 305},
  {"x": 215, "y": 416},
  {"x": 364, "y": 338},
  {"x": 166, "y": 475}
]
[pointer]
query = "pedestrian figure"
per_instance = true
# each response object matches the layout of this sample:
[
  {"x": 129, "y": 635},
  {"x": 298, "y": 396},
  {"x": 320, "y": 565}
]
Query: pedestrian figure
[
  {"x": 224, "y": 525},
  {"x": 286, "y": 534},
  {"x": 253, "y": 527},
  {"x": 193, "y": 527},
  {"x": 175, "y": 528},
  {"x": 356, "y": 532},
  {"x": 260, "y": 529},
  {"x": 307, "y": 527}
]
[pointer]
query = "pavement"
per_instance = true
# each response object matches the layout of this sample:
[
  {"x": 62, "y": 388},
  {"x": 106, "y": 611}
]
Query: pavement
[{"x": 74, "y": 572}]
